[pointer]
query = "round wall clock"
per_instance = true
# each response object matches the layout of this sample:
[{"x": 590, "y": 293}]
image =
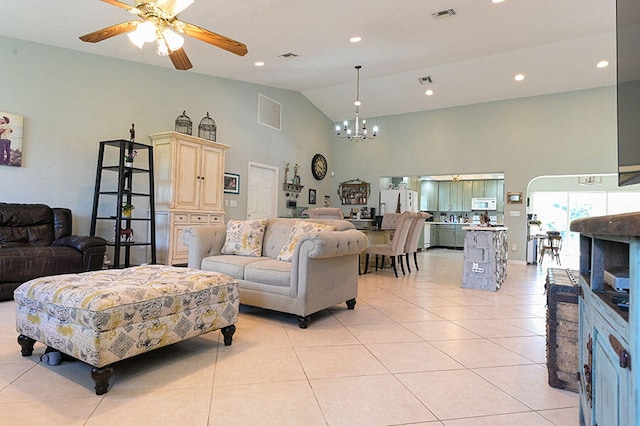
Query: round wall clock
[{"x": 319, "y": 166}]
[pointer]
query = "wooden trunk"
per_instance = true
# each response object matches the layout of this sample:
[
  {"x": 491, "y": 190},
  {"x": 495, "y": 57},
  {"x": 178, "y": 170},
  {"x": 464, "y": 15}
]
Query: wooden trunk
[{"x": 562, "y": 328}]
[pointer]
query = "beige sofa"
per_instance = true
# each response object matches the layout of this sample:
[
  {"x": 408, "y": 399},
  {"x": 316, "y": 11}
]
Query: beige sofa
[{"x": 323, "y": 270}]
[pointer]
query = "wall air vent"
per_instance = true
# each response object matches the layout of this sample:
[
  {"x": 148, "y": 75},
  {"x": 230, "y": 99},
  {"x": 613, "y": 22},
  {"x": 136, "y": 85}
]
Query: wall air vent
[
  {"x": 289, "y": 55},
  {"x": 444, "y": 14},
  {"x": 269, "y": 112},
  {"x": 425, "y": 80}
]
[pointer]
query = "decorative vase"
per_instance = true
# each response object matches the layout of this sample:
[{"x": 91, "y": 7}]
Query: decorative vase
[
  {"x": 126, "y": 213},
  {"x": 128, "y": 163}
]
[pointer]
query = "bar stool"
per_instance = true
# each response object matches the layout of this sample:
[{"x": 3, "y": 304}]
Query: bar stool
[{"x": 552, "y": 245}]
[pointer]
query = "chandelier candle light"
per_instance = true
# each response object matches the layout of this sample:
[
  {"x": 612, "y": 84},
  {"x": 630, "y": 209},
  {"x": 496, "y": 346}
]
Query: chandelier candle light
[{"x": 359, "y": 133}]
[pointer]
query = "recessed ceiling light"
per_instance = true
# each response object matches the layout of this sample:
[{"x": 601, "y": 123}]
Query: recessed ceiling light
[
  {"x": 497, "y": 1},
  {"x": 259, "y": 64},
  {"x": 518, "y": 77},
  {"x": 603, "y": 64},
  {"x": 355, "y": 39},
  {"x": 429, "y": 92}
]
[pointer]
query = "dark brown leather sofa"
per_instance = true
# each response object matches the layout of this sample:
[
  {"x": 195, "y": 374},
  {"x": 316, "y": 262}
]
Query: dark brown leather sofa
[{"x": 36, "y": 241}]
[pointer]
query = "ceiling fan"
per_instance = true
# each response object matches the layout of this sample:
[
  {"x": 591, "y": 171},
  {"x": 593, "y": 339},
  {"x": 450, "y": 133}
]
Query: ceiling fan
[{"x": 158, "y": 21}]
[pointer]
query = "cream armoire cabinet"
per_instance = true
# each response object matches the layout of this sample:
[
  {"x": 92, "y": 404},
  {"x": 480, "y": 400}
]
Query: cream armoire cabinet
[{"x": 188, "y": 189}]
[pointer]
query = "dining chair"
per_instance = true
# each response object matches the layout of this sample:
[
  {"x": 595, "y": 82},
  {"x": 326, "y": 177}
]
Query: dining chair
[
  {"x": 395, "y": 248},
  {"x": 552, "y": 245},
  {"x": 411, "y": 243}
]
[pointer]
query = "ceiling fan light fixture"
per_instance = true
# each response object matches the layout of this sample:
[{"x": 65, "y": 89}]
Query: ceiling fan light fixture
[
  {"x": 162, "y": 49},
  {"x": 147, "y": 31},
  {"x": 173, "y": 40},
  {"x": 136, "y": 38}
]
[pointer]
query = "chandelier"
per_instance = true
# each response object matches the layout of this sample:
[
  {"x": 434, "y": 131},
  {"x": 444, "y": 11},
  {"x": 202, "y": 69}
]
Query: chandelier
[{"x": 358, "y": 133}]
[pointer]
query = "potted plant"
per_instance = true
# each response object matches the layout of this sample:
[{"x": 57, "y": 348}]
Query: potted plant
[
  {"x": 126, "y": 209},
  {"x": 128, "y": 158}
]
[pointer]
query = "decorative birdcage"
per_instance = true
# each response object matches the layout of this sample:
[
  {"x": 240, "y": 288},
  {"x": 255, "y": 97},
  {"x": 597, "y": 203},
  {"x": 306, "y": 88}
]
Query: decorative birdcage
[
  {"x": 184, "y": 124},
  {"x": 207, "y": 128}
]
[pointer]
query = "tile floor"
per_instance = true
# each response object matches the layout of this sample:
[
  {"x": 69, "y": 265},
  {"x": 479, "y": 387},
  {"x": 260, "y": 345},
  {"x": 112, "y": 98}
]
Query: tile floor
[{"x": 416, "y": 350}]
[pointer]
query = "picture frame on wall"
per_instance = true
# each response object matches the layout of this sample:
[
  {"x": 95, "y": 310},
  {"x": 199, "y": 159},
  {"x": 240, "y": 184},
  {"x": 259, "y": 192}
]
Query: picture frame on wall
[
  {"x": 11, "y": 139},
  {"x": 312, "y": 196},
  {"x": 514, "y": 198},
  {"x": 231, "y": 183}
]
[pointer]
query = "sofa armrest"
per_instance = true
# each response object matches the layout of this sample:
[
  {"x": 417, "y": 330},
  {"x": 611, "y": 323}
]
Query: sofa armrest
[
  {"x": 92, "y": 249},
  {"x": 333, "y": 244},
  {"x": 203, "y": 241}
]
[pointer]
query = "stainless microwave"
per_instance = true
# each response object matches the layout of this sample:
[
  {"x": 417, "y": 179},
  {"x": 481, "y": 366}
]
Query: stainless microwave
[{"x": 483, "y": 203}]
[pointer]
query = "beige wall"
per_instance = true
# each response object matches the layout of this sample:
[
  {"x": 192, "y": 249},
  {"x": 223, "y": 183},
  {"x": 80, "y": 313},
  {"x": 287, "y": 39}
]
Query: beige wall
[
  {"x": 71, "y": 101},
  {"x": 567, "y": 133}
]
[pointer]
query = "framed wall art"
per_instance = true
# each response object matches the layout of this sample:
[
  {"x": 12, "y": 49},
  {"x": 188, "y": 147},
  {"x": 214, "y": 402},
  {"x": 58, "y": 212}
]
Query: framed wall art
[
  {"x": 11, "y": 139},
  {"x": 231, "y": 183},
  {"x": 354, "y": 192},
  {"x": 312, "y": 196},
  {"x": 514, "y": 197}
]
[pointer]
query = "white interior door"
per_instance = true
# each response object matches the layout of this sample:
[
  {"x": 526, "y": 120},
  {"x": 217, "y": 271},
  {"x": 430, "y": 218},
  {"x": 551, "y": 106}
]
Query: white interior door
[{"x": 262, "y": 191}]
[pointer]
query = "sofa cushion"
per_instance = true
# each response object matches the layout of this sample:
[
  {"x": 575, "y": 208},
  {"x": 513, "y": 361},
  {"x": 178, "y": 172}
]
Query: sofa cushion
[
  {"x": 301, "y": 229},
  {"x": 244, "y": 237},
  {"x": 25, "y": 225},
  {"x": 229, "y": 264},
  {"x": 270, "y": 272}
]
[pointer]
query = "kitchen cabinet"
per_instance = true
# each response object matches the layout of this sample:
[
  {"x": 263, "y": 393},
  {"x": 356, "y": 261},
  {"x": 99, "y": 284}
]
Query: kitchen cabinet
[
  {"x": 500, "y": 195},
  {"x": 467, "y": 194},
  {"x": 434, "y": 235},
  {"x": 459, "y": 237},
  {"x": 444, "y": 190},
  {"x": 429, "y": 195},
  {"x": 189, "y": 191},
  {"x": 447, "y": 235},
  {"x": 478, "y": 189},
  {"x": 608, "y": 336},
  {"x": 450, "y": 196}
]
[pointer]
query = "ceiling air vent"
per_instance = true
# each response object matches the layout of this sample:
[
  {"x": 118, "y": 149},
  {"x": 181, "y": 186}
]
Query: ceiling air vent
[
  {"x": 269, "y": 112},
  {"x": 289, "y": 55},
  {"x": 425, "y": 80},
  {"x": 444, "y": 14}
]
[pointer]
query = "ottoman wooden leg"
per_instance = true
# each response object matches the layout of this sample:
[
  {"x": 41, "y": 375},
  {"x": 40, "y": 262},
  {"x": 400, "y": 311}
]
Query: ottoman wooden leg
[
  {"x": 101, "y": 378},
  {"x": 27, "y": 344},
  {"x": 227, "y": 332}
]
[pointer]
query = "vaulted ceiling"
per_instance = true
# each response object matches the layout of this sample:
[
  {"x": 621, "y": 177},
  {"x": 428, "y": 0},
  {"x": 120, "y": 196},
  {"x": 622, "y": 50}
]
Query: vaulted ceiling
[{"x": 471, "y": 57}]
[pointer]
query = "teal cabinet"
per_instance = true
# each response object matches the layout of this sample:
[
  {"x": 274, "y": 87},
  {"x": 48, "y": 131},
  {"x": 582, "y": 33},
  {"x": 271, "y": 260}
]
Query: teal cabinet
[
  {"x": 446, "y": 236},
  {"x": 608, "y": 336},
  {"x": 434, "y": 235},
  {"x": 467, "y": 194},
  {"x": 429, "y": 195},
  {"x": 444, "y": 200}
]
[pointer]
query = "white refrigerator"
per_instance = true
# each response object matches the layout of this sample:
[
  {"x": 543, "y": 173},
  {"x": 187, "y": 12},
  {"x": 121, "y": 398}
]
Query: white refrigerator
[{"x": 389, "y": 199}]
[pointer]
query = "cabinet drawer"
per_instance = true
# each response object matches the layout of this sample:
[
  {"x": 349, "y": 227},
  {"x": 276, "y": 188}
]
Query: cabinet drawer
[
  {"x": 199, "y": 218},
  {"x": 181, "y": 218},
  {"x": 215, "y": 219}
]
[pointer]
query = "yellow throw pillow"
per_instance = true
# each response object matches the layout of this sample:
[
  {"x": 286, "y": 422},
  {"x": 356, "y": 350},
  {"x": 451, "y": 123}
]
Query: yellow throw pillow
[
  {"x": 300, "y": 229},
  {"x": 244, "y": 237}
]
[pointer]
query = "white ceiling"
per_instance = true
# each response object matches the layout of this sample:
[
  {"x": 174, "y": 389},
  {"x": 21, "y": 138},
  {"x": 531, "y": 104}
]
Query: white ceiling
[{"x": 471, "y": 57}]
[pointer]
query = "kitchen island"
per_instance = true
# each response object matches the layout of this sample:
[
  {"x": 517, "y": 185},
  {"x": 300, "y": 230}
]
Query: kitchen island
[{"x": 485, "y": 257}]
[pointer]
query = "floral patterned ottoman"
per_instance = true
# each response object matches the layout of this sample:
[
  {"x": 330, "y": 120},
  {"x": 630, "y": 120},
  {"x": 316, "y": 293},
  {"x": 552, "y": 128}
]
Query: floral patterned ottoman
[{"x": 102, "y": 317}]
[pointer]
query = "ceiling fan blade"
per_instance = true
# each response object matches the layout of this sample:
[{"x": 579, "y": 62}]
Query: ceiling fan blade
[
  {"x": 217, "y": 40},
  {"x": 173, "y": 7},
  {"x": 180, "y": 59},
  {"x": 120, "y": 5},
  {"x": 109, "y": 32}
]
